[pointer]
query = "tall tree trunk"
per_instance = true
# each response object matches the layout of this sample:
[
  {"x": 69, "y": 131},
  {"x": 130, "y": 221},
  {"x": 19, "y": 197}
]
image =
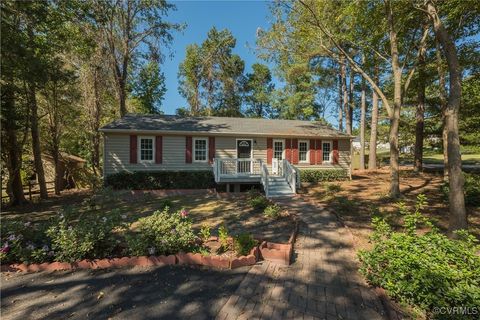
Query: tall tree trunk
[
  {"x": 397, "y": 103},
  {"x": 37, "y": 151},
  {"x": 458, "y": 215},
  {"x": 363, "y": 111},
  {"x": 420, "y": 113},
  {"x": 341, "y": 93},
  {"x": 95, "y": 140},
  {"x": 443, "y": 106},
  {"x": 122, "y": 98},
  {"x": 340, "y": 104},
  {"x": 372, "y": 154},
  {"x": 14, "y": 158},
  {"x": 343, "y": 73},
  {"x": 349, "y": 110}
]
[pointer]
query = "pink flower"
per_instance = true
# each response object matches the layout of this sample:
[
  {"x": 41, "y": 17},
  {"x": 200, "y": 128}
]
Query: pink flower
[
  {"x": 5, "y": 248},
  {"x": 184, "y": 213}
]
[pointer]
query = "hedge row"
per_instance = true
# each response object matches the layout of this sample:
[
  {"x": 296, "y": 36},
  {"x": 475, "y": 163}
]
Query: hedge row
[
  {"x": 152, "y": 180},
  {"x": 319, "y": 175}
]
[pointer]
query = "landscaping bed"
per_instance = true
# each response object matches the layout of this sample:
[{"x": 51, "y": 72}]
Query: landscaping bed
[{"x": 95, "y": 234}]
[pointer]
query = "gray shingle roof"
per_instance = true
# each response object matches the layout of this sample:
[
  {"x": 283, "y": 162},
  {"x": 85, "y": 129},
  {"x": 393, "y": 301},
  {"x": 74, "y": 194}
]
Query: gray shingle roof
[{"x": 221, "y": 125}]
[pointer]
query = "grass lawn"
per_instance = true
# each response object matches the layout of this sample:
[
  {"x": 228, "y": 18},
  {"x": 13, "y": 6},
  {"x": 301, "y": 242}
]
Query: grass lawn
[
  {"x": 428, "y": 158},
  {"x": 356, "y": 201},
  {"x": 234, "y": 212}
]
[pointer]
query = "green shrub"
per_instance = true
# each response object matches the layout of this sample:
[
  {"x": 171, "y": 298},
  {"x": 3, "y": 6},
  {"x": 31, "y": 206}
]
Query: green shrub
[
  {"x": 424, "y": 270},
  {"x": 223, "y": 238},
  {"x": 471, "y": 189},
  {"x": 162, "y": 233},
  {"x": 243, "y": 244},
  {"x": 150, "y": 180},
  {"x": 165, "y": 203},
  {"x": 259, "y": 202},
  {"x": 92, "y": 236},
  {"x": 319, "y": 175},
  {"x": 331, "y": 188},
  {"x": 24, "y": 242},
  {"x": 205, "y": 232},
  {"x": 272, "y": 211}
]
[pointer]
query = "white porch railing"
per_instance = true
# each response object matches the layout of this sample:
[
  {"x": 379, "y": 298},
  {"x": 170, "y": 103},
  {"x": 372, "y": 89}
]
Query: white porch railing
[
  {"x": 264, "y": 178},
  {"x": 231, "y": 168},
  {"x": 290, "y": 174}
]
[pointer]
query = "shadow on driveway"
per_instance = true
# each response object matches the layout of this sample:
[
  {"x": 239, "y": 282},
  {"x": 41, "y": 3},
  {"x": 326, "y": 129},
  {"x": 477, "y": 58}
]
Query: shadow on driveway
[{"x": 170, "y": 292}]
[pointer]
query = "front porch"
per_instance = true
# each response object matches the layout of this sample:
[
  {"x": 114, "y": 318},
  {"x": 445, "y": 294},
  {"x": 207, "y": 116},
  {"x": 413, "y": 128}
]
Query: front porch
[{"x": 237, "y": 171}]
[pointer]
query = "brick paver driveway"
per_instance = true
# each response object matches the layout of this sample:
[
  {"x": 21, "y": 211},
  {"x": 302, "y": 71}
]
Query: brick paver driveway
[{"x": 322, "y": 283}]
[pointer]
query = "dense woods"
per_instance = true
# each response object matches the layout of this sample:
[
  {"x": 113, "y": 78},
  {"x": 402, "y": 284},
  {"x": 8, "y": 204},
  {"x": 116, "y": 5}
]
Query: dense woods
[{"x": 404, "y": 71}]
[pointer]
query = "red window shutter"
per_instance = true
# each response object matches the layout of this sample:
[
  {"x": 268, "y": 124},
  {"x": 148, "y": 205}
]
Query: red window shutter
[
  {"x": 158, "y": 149},
  {"x": 133, "y": 149},
  {"x": 312, "y": 151},
  {"x": 335, "y": 151},
  {"x": 211, "y": 149},
  {"x": 288, "y": 150},
  {"x": 188, "y": 149},
  {"x": 295, "y": 151},
  {"x": 319, "y": 155},
  {"x": 269, "y": 150}
]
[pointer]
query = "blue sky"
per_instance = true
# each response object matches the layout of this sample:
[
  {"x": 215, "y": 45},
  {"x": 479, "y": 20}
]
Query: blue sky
[{"x": 242, "y": 18}]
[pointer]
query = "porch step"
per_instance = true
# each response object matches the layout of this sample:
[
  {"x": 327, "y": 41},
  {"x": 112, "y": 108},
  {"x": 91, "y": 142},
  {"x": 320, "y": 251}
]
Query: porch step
[{"x": 278, "y": 187}]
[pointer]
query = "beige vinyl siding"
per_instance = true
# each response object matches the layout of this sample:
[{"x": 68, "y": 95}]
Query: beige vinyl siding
[
  {"x": 117, "y": 154},
  {"x": 343, "y": 158}
]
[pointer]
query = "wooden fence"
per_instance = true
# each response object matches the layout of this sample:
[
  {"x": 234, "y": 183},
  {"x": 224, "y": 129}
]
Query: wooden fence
[{"x": 30, "y": 189}]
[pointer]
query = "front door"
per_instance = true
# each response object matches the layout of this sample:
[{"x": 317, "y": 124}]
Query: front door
[{"x": 244, "y": 151}]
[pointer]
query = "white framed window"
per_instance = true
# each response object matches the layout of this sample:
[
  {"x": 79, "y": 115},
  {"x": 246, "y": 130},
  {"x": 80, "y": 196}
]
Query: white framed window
[
  {"x": 146, "y": 149},
  {"x": 279, "y": 149},
  {"x": 327, "y": 151},
  {"x": 303, "y": 151},
  {"x": 200, "y": 149}
]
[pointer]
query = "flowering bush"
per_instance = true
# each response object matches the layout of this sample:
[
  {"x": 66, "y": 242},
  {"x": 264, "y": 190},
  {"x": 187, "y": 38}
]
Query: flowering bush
[
  {"x": 77, "y": 236},
  {"x": 24, "y": 242},
  {"x": 162, "y": 233}
]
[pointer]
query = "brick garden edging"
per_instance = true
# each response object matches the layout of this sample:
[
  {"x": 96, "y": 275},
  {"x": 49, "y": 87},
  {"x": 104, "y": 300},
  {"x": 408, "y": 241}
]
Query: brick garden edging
[
  {"x": 188, "y": 258},
  {"x": 280, "y": 253}
]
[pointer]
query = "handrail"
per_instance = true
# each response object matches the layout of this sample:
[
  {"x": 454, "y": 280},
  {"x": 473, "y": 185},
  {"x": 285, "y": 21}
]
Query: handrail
[
  {"x": 233, "y": 167},
  {"x": 264, "y": 178},
  {"x": 290, "y": 174}
]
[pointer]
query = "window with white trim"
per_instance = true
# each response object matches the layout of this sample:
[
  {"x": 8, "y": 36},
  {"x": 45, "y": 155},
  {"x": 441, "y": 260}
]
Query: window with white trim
[
  {"x": 303, "y": 151},
  {"x": 278, "y": 149},
  {"x": 147, "y": 149},
  {"x": 327, "y": 151},
  {"x": 200, "y": 149}
]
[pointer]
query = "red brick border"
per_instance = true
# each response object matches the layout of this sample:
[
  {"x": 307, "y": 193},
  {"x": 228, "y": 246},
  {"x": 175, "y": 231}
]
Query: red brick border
[{"x": 142, "y": 261}]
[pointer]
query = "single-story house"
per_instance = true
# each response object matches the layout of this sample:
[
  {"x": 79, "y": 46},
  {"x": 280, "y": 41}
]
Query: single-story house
[{"x": 238, "y": 150}]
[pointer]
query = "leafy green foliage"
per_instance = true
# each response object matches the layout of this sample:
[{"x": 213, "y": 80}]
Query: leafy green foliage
[
  {"x": 205, "y": 232},
  {"x": 77, "y": 236},
  {"x": 223, "y": 238},
  {"x": 243, "y": 244},
  {"x": 259, "y": 202},
  {"x": 471, "y": 189},
  {"x": 272, "y": 211},
  {"x": 427, "y": 270},
  {"x": 258, "y": 91},
  {"x": 162, "y": 233},
  {"x": 161, "y": 180},
  {"x": 149, "y": 88},
  {"x": 24, "y": 242},
  {"x": 318, "y": 175}
]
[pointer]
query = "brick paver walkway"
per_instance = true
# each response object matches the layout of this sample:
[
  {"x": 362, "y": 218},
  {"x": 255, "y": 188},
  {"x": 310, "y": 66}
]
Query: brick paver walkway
[{"x": 322, "y": 283}]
